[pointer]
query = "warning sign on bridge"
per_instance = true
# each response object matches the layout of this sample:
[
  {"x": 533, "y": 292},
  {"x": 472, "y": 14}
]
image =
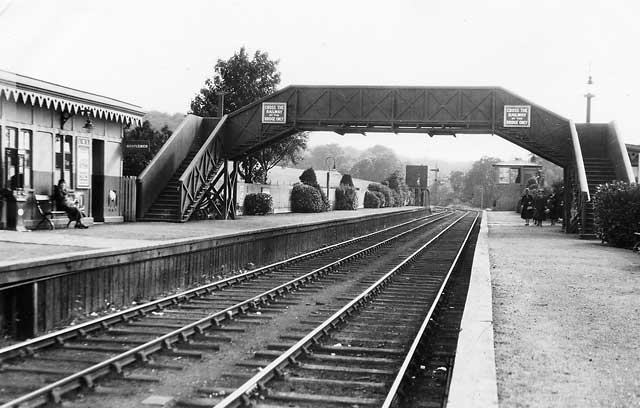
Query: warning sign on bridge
[
  {"x": 274, "y": 112},
  {"x": 517, "y": 115}
]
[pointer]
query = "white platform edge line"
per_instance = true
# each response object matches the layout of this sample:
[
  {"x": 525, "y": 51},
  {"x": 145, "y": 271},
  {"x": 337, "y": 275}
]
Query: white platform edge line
[{"x": 473, "y": 382}]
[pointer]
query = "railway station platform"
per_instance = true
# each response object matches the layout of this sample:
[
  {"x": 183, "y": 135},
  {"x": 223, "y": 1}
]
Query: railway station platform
[
  {"x": 550, "y": 321},
  {"x": 50, "y": 244}
]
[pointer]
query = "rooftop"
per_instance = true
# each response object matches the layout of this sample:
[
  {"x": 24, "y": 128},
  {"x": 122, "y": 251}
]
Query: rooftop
[{"x": 42, "y": 93}]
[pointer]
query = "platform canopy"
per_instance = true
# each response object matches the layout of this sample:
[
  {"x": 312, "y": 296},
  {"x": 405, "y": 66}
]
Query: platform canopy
[{"x": 429, "y": 110}]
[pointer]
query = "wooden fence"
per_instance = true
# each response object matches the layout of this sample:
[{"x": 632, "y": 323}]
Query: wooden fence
[{"x": 128, "y": 198}]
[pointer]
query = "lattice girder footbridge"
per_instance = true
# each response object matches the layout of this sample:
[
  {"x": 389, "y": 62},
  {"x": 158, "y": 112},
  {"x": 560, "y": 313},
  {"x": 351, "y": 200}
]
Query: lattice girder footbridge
[{"x": 429, "y": 110}]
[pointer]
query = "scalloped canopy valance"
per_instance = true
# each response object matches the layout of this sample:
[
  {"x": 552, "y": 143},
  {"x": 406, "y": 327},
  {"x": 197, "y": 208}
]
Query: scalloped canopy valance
[{"x": 15, "y": 87}]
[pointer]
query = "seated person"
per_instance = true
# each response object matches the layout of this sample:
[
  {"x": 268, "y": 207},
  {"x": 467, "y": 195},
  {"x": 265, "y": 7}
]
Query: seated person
[{"x": 64, "y": 204}]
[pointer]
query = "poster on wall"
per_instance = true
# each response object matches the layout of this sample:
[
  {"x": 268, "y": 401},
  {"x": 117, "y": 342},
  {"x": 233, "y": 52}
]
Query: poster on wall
[{"x": 83, "y": 147}]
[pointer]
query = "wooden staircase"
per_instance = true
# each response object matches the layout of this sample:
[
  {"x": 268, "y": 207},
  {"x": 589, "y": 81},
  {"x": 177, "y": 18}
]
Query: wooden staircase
[
  {"x": 599, "y": 171},
  {"x": 166, "y": 206}
]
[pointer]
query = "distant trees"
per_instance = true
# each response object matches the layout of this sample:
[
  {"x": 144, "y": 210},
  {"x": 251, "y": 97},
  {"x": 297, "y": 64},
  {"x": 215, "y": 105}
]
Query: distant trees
[
  {"x": 376, "y": 163},
  {"x": 134, "y": 161},
  {"x": 479, "y": 182},
  {"x": 244, "y": 80},
  {"x": 317, "y": 157}
]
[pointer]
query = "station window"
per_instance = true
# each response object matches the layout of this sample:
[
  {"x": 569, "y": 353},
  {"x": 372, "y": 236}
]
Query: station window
[
  {"x": 508, "y": 175},
  {"x": 17, "y": 157},
  {"x": 64, "y": 159}
]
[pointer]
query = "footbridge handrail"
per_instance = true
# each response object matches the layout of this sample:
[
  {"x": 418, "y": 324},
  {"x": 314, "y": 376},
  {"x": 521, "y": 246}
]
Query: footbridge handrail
[
  {"x": 200, "y": 171},
  {"x": 621, "y": 150},
  {"x": 577, "y": 152}
]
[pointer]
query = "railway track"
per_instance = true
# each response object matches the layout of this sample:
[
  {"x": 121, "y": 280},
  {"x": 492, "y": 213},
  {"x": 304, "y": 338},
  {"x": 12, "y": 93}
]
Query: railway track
[
  {"x": 361, "y": 354},
  {"x": 183, "y": 325}
]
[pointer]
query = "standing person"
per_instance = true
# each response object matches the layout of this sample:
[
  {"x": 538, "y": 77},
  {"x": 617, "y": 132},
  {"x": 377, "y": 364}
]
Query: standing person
[
  {"x": 539, "y": 207},
  {"x": 559, "y": 204},
  {"x": 551, "y": 209},
  {"x": 527, "y": 206},
  {"x": 64, "y": 204}
]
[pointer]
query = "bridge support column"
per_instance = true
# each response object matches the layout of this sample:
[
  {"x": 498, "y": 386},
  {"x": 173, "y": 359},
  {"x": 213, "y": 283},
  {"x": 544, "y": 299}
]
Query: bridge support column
[{"x": 230, "y": 189}]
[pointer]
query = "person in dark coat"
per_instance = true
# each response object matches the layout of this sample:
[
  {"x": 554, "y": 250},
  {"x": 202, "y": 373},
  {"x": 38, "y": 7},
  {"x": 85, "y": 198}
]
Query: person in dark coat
[
  {"x": 63, "y": 204},
  {"x": 539, "y": 208},
  {"x": 526, "y": 201},
  {"x": 552, "y": 209}
]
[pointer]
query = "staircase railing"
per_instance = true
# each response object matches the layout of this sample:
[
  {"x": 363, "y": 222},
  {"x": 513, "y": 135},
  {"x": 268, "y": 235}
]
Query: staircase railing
[
  {"x": 154, "y": 177},
  {"x": 197, "y": 177},
  {"x": 619, "y": 155},
  {"x": 583, "y": 188}
]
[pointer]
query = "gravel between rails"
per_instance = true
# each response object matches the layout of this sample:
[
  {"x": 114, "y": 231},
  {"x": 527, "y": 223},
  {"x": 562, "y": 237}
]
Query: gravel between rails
[{"x": 566, "y": 317}]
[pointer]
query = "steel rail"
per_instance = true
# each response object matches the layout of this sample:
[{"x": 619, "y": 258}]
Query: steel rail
[
  {"x": 242, "y": 394},
  {"x": 395, "y": 386},
  {"x": 166, "y": 341},
  {"x": 28, "y": 347}
]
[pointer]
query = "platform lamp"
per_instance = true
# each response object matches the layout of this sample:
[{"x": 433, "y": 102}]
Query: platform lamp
[
  {"x": 65, "y": 116},
  {"x": 589, "y": 95},
  {"x": 326, "y": 163}
]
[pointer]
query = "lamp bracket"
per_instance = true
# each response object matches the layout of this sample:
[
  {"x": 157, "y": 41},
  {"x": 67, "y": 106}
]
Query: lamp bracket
[{"x": 68, "y": 115}]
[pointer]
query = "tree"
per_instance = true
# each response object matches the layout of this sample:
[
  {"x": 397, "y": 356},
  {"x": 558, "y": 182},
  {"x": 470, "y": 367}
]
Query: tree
[
  {"x": 317, "y": 158},
  {"x": 134, "y": 161},
  {"x": 376, "y": 163},
  {"x": 479, "y": 182},
  {"x": 243, "y": 81},
  {"x": 456, "y": 179},
  {"x": 255, "y": 168}
]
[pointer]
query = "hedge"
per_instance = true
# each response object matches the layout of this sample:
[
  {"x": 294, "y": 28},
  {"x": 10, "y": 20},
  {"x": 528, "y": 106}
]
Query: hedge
[
  {"x": 308, "y": 177},
  {"x": 386, "y": 192},
  {"x": 346, "y": 198},
  {"x": 616, "y": 209},
  {"x": 346, "y": 180},
  {"x": 372, "y": 199},
  {"x": 306, "y": 199},
  {"x": 258, "y": 204}
]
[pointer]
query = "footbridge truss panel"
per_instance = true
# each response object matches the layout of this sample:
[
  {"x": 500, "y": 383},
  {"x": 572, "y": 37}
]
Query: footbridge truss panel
[{"x": 429, "y": 110}]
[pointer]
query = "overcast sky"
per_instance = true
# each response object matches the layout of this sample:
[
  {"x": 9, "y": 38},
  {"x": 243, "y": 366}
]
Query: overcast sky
[{"x": 157, "y": 54}]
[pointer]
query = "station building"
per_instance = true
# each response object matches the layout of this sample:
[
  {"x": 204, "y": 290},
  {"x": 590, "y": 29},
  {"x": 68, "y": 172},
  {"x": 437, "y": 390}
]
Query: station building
[
  {"x": 51, "y": 132},
  {"x": 511, "y": 180}
]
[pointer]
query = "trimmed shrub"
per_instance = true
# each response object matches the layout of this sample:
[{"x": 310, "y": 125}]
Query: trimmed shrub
[
  {"x": 346, "y": 180},
  {"x": 381, "y": 198},
  {"x": 398, "y": 201},
  {"x": 258, "y": 204},
  {"x": 346, "y": 198},
  {"x": 308, "y": 177},
  {"x": 371, "y": 199},
  {"x": 306, "y": 199},
  {"x": 385, "y": 191},
  {"x": 616, "y": 208}
]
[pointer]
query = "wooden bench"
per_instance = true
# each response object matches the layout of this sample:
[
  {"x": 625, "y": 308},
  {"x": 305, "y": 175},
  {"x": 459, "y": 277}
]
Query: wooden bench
[{"x": 44, "y": 205}]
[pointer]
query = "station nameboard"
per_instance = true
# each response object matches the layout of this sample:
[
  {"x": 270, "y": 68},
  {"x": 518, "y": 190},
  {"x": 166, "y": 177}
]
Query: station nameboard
[
  {"x": 274, "y": 112},
  {"x": 137, "y": 145},
  {"x": 517, "y": 115}
]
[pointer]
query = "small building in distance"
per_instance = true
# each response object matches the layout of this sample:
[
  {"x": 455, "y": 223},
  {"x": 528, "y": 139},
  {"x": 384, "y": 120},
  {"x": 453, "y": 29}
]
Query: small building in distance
[
  {"x": 50, "y": 132},
  {"x": 510, "y": 181}
]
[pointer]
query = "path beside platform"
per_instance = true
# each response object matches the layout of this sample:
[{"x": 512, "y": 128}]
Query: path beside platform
[
  {"x": 566, "y": 316},
  {"x": 20, "y": 246}
]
